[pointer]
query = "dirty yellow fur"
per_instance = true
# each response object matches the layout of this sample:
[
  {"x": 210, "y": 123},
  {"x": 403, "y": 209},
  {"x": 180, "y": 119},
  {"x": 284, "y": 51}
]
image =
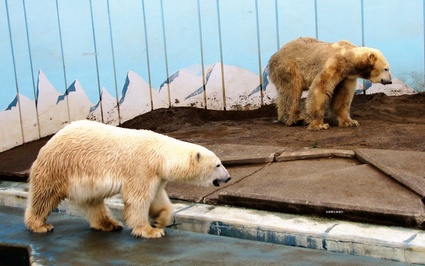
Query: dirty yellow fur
[
  {"x": 329, "y": 72},
  {"x": 88, "y": 161}
]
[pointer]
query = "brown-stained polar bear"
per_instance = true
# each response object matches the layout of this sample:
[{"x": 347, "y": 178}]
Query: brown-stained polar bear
[
  {"x": 88, "y": 161},
  {"x": 329, "y": 72}
]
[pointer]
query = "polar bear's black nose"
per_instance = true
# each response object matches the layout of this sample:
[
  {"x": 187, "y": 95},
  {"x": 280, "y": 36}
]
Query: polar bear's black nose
[
  {"x": 217, "y": 182},
  {"x": 386, "y": 81}
]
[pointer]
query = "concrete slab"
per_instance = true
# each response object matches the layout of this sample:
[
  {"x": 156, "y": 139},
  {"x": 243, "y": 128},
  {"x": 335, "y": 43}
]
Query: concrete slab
[
  {"x": 414, "y": 244},
  {"x": 407, "y": 167},
  {"x": 73, "y": 243},
  {"x": 233, "y": 154},
  {"x": 314, "y": 153},
  {"x": 335, "y": 187},
  {"x": 188, "y": 192},
  {"x": 368, "y": 237}
]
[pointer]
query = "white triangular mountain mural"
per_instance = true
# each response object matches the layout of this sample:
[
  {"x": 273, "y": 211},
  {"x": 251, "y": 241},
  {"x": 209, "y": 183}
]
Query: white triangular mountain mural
[
  {"x": 181, "y": 85},
  {"x": 135, "y": 99},
  {"x": 15, "y": 132},
  {"x": 79, "y": 103},
  {"x": 105, "y": 110},
  {"x": 52, "y": 111},
  {"x": 29, "y": 118},
  {"x": 395, "y": 89}
]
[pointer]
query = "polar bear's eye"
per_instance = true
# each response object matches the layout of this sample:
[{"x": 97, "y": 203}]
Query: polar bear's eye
[{"x": 218, "y": 165}]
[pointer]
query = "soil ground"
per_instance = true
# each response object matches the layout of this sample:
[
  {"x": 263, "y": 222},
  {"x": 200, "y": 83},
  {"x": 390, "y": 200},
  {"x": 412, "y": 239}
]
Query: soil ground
[{"x": 395, "y": 123}]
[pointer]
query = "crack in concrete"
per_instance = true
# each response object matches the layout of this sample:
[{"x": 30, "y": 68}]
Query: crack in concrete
[
  {"x": 325, "y": 236},
  {"x": 236, "y": 182}
]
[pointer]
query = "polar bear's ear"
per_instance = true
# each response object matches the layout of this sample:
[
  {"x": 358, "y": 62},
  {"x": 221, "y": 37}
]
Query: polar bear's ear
[
  {"x": 372, "y": 57},
  {"x": 198, "y": 156}
]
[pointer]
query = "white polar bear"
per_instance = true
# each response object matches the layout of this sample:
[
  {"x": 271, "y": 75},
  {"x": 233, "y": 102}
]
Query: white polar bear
[{"x": 88, "y": 161}]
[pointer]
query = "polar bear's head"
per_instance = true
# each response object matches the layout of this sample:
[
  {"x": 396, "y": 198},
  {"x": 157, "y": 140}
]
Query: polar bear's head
[
  {"x": 192, "y": 163},
  {"x": 373, "y": 65},
  {"x": 211, "y": 170},
  {"x": 381, "y": 69}
]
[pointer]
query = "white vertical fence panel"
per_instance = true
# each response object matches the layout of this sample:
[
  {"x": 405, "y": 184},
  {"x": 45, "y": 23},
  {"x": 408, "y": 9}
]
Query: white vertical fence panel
[
  {"x": 21, "y": 54},
  {"x": 11, "y": 130},
  {"x": 240, "y": 53},
  {"x": 130, "y": 58},
  {"x": 333, "y": 28},
  {"x": 211, "y": 46},
  {"x": 183, "y": 52},
  {"x": 296, "y": 18},
  {"x": 47, "y": 64},
  {"x": 79, "y": 58},
  {"x": 401, "y": 38},
  {"x": 105, "y": 108}
]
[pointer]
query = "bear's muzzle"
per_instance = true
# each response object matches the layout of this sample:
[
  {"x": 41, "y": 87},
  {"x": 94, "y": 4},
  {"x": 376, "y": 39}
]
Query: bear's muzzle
[
  {"x": 386, "y": 81},
  {"x": 217, "y": 182}
]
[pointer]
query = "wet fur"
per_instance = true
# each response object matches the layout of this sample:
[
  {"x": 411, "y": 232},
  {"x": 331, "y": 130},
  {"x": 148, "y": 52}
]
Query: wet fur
[
  {"x": 87, "y": 162},
  {"x": 329, "y": 72}
]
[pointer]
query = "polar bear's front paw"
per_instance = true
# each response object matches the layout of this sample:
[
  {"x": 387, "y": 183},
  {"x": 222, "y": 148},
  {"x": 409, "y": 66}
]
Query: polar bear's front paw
[
  {"x": 42, "y": 229},
  {"x": 163, "y": 220},
  {"x": 108, "y": 225},
  {"x": 294, "y": 122},
  {"x": 147, "y": 232},
  {"x": 318, "y": 126},
  {"x": 349, "y": 123}
]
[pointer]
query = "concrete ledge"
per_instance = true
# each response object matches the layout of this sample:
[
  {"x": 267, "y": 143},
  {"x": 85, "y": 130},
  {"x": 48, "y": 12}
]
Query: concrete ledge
[
  {"x": 392, "y": 243},
  {"x": 233, "y": 154},
  {"x": 314, "y": 153},
  {"x": 406, "y": 167},
  {"x": 333, "y": 210}
]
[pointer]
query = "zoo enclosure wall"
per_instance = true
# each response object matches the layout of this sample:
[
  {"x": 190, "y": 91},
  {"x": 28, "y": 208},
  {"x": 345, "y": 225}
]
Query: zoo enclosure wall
[{"x": 112, "y": 60}]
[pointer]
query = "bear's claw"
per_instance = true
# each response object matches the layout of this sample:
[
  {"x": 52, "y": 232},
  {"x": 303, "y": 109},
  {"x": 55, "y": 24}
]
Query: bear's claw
[
  {"x": 147, "y": 232},
  {"x": 43, "y": 229},
  {"x": 350, "y": 123},
  {"x": 318, "y": 126},
  {"x": 108, "y": 225}
]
